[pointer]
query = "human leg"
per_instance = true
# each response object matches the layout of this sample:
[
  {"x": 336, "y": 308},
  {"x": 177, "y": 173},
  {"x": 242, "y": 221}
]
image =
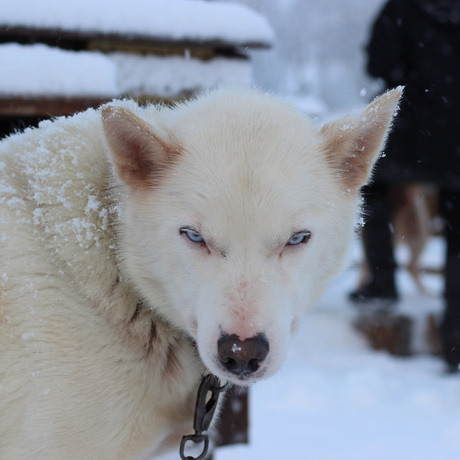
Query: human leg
[{"x": 377, "y": 239}]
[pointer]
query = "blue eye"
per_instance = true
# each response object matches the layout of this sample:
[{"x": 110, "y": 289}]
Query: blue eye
[
  {"x": 301, "y": 237},
  {"x": 192, "y": 235}
]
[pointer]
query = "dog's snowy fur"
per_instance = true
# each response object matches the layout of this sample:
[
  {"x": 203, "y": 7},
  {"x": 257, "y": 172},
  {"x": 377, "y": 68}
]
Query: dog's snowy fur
[{"x": 109, "y": 312}]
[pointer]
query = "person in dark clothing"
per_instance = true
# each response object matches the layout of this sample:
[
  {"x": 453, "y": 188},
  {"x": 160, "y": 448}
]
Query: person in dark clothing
[{"x": 416, "y": 43}]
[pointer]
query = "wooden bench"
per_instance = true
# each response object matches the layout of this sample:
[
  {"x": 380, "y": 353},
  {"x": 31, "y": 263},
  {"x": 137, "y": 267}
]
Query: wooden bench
[{"x": 106, "y": 41}]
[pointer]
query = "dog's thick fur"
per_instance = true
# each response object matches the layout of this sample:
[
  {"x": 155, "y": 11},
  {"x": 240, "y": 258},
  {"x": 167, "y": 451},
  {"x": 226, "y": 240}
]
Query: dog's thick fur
[{"x": 133, "y": 238}]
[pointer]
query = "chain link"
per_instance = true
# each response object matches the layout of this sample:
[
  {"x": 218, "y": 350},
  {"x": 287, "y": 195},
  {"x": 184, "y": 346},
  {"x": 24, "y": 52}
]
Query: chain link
[{"x": 205, "y": 408}]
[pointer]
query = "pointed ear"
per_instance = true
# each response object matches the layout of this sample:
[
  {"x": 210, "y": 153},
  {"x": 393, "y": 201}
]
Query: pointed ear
[
  {"x": 353, "y": 143},
  {"x": 140, "y": 156}
]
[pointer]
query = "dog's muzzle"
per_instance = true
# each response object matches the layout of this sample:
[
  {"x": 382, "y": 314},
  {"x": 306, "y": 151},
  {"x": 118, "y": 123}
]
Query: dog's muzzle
[{"x": 242, "y": 358}]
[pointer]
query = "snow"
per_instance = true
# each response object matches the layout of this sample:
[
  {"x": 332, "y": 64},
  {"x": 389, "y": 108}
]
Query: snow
[
  {"x": 162, "y": 19},
  {"x": 169, "y": 76},
  {"x": 49, "y": 71},
  {"x": 57, "y": 72}
]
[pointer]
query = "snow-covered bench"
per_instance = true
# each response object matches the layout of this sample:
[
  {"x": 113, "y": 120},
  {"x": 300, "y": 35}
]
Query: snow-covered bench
[{"x": 59, "y": 57}]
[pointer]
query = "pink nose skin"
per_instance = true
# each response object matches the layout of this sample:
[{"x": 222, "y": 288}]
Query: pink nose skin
[{"x": 242, "y": 358}]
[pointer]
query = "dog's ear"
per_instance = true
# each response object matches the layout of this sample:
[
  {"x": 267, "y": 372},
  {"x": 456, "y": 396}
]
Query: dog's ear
[
  {"x": 353, "y": 143},
  {"x": 140, "y": 156}
]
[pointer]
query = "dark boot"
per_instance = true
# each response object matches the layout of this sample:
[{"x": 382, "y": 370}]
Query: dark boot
[{"x": 380, "y": 289}]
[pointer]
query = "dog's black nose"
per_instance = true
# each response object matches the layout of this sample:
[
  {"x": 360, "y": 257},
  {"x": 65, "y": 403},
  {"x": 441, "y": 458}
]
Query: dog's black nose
[{"x": 242, "y": 358}]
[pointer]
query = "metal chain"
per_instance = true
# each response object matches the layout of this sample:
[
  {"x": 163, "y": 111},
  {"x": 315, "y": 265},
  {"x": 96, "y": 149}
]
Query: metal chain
[{"x": 204, "y": 412}]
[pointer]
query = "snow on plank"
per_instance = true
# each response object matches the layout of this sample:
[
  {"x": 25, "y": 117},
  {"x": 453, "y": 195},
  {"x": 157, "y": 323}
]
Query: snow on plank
[
  {"x": 39, "y": 70},
  {"x": 156, "y": 21}
]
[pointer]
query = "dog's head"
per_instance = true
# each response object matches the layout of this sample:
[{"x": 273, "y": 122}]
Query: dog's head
[{"x": 238, "y": 213}]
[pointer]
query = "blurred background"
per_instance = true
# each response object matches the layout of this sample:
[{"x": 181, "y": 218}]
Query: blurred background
[{"x": 318, "y": 55}]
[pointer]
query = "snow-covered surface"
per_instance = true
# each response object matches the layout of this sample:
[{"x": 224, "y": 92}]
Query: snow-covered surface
[
  {"x": 38, "y": 70},
  {"x": 42, "y": 70},
  {"x": 169, "y": 76},
  {"x": 336, "y": 399},
  {"x": 170, "y": 19},
  {"x": 47, "y": 71}
]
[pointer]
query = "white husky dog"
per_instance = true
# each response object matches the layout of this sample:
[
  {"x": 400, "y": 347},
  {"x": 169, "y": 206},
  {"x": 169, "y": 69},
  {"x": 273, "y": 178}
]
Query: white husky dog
[{"x": 140, "y": 246}]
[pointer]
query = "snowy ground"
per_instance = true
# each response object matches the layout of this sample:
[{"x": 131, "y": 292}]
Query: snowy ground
[{"x": 337, "y": 400}]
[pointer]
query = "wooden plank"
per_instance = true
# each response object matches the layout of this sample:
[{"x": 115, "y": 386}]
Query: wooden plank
[
  {"x": 46, "y": 107},
  {"x": 232, "y": 425},
  {"x": 79, "y": 39}
]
